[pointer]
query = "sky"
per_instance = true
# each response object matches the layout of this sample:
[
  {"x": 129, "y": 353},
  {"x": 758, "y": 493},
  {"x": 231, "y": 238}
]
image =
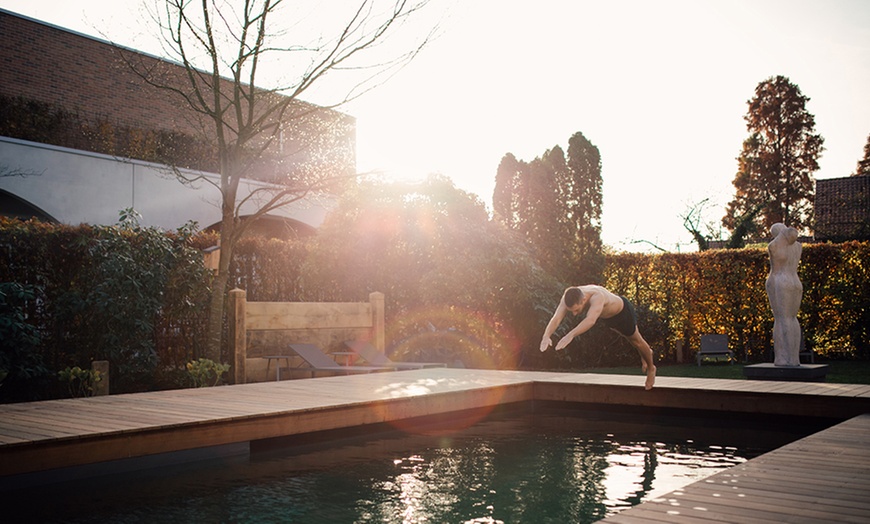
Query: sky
[{"x": 660, "y": 87}]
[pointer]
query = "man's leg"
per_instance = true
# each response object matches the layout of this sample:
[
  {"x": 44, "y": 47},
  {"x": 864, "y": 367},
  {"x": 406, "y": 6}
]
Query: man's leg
[{"x": 646, "y": 357}]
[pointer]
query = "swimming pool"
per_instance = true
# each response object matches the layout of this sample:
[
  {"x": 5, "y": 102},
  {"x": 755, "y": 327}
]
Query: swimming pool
[{"x": 532, "y": 463}]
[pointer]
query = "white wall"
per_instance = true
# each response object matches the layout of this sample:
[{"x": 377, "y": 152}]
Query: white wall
[{"x": 77, "y": 187}]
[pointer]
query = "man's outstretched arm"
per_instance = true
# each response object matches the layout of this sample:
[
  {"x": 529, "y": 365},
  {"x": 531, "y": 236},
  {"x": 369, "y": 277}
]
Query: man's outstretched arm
[
  {"x": 554, "y": 322},
  {"x": 596, "y": 306}
]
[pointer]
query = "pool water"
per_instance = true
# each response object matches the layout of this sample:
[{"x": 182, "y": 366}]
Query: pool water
[{"x": 526, "y": 465}]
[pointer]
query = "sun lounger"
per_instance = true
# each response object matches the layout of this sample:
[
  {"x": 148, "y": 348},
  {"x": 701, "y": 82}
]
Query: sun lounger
[
  {"x": 317, "y": 360},
  {"x": 375, "y": 357}
]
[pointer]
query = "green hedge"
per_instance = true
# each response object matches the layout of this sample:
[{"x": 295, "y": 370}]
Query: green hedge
[
  {"x": 124, "y": 294},
  {"x": 135, "y": 296},
  {"x": 138, "y": 298},
  {"x": 723, "y": 291}
]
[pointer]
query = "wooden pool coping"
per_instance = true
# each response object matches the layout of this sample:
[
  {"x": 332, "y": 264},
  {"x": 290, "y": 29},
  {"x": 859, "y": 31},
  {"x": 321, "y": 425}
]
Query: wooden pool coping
[{"x": 40, "y": 436}]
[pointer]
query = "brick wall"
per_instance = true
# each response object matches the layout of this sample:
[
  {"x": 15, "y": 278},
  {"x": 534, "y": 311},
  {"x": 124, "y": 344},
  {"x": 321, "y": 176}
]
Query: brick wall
[{"x": 49, "y": 64}]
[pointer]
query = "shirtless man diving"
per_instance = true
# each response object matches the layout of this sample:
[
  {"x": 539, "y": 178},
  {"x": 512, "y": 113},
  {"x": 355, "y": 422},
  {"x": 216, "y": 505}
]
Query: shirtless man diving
[{"x": 613, "y": 311}]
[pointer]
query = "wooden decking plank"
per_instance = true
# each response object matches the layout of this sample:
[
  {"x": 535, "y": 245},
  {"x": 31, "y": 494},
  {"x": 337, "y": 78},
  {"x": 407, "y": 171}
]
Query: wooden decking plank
[
  {"x": 158, "y": 416},
  {"x": 102, "y": 416},
  {"x": 11, "y": 440},
  {"x": 121, "y": 418},
  {"x": 63, "y": 428},
  {"x": 24, "y": 433},
  {"x": 746, "y": 511},
  {"x": 777, "y": 480},
  {"x": 752, "y": 486},
  {"x": 192, "y": 413},
  {"x": 694, "y": 514},
  {"x": 765, "y": 492},
  {"x": 775, "y": 386},
  {"x": 182, "y": 410}
]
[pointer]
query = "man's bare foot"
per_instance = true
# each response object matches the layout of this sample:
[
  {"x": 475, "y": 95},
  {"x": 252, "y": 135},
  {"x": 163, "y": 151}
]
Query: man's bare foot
[{"x": 650, "y": 377}]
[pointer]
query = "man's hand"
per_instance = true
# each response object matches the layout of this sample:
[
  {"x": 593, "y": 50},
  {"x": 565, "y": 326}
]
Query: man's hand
[
  {"x": 545, "y": 343},
  {"x": 564, "y": 342}
]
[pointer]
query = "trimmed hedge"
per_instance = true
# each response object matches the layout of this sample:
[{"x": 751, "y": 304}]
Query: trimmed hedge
[
  {"x": 723, "y": 291},
  {"x": 138, "y": 298}
]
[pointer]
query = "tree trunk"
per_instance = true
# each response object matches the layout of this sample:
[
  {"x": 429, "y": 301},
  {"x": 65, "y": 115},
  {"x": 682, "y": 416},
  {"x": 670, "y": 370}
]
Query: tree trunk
[
  {"x": 215, "y": 330},
  {"x": 217, "y": 302}
]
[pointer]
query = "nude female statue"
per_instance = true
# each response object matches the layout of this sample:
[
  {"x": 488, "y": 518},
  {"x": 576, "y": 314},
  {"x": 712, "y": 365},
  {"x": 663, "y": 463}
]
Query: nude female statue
[{"x": 784, "y": 290}]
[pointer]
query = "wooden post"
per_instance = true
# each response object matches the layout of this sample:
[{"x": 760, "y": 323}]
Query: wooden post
[
  {"x": 238, "y": 331},
  {"x": 102, "y": 387},
  {"x": 377, "y": 301}
]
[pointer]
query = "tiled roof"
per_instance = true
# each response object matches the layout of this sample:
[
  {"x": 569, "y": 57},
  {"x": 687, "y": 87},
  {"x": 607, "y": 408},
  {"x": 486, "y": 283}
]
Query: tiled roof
[{"x": 842, "y": 209}]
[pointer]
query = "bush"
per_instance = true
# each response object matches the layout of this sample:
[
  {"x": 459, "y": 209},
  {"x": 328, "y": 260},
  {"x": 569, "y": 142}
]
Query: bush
[
  {"x": 206, "y": 372},
  {"x": 79, "y": 382},
  {"x": 21, "y": 364},
  {"x": 105, "y": 293}
]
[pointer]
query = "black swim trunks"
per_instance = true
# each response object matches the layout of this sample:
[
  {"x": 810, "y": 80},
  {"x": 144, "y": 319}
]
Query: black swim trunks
[{"x": 625, "y": 322}]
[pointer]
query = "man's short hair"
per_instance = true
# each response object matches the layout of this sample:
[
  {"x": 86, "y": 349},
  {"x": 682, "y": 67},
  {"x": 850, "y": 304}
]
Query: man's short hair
[{"x": 573, "y": 296}]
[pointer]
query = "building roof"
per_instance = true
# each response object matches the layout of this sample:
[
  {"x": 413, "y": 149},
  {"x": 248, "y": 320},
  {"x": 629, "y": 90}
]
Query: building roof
[{"x": 842, "y": 209}]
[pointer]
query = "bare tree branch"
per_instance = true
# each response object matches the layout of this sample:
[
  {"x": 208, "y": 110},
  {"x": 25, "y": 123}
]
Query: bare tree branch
[{"x": 655, "y": 246}]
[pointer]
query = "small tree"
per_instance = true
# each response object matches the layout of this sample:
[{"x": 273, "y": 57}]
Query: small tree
[{"x": 778, "y": 159}]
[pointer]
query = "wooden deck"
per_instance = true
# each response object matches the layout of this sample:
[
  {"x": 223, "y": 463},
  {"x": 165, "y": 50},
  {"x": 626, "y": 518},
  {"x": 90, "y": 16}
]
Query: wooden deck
[{"x": 824, "y": 476}]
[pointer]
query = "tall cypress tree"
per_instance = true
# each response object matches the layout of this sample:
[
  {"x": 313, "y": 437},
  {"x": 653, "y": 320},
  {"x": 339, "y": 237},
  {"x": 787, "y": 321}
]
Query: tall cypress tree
[
  {"x": 582, "y": 195},
  {"x": 554, "y": 203},
  {"x": 506, "y": 195}
]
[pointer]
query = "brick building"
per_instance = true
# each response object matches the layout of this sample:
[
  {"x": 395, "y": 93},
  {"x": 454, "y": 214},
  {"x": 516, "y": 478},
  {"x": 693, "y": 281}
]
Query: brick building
[
  {"x": 70, "y": 90},
  {"x": 842, "y": 209},
  {"x": 45, "y": 63}
]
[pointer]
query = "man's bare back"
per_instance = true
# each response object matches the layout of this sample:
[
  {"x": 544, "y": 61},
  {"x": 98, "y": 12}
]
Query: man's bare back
[{"x": 612, "y": 304}]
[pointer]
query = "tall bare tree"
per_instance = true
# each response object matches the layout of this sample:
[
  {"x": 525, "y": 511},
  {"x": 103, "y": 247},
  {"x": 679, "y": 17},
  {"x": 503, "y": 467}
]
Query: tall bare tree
[
  {"x": 777, "y": 161},
  {"x": 225, "y": 48}
]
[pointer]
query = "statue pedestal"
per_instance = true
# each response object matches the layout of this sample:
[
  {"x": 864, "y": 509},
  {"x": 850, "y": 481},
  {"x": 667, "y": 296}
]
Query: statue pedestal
[{"x": 802, "y": 373}]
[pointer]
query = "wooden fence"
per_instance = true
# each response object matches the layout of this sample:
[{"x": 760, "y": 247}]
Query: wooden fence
[{"x": 261, "y": 328}]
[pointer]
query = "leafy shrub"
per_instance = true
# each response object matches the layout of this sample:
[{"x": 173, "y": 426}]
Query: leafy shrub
[
  {"x": 21, "y": 362},
  {"x": 206, "y": 372},
  {"x": 79, "y": 382},
  {"x": 131, "y": 295}
]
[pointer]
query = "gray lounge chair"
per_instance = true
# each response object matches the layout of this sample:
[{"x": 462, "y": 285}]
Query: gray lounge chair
[
  {"x": 375, "y": 357},
  {"x": 317, "y": 360},
  {"x": 714, "y": 346}
]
